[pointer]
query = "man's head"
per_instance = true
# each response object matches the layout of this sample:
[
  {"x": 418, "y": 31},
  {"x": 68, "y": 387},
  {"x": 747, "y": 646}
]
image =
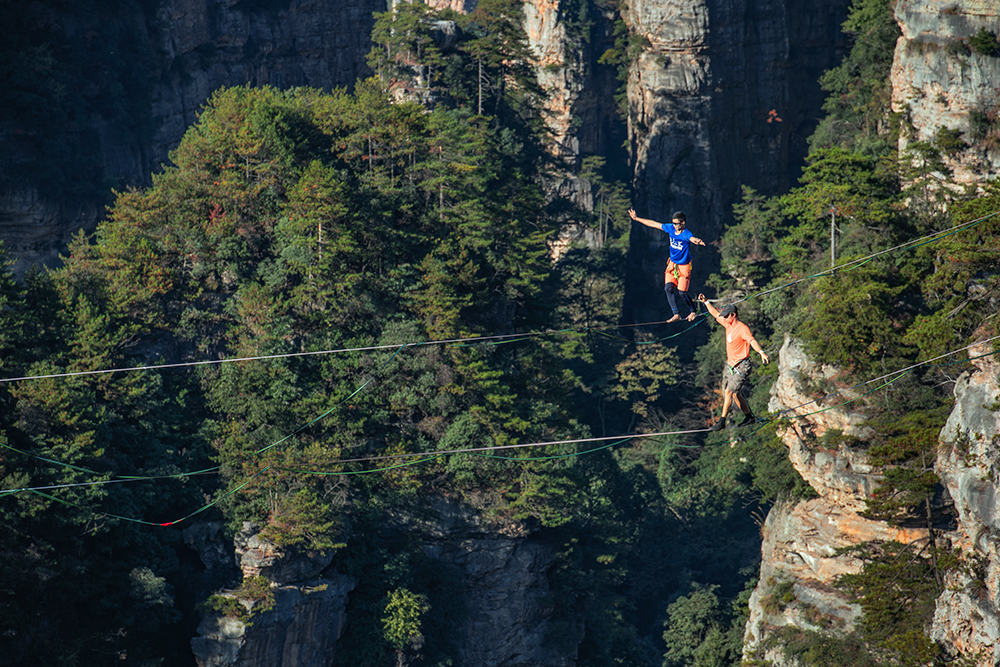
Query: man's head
[
  {"x": 679, "y": 219},
  {"x": 729, "y": 310}
]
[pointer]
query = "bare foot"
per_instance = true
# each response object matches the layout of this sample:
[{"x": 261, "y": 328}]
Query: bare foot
[
  {"x": 673, "y": 319},
  {"x": 690, "y": 318}
]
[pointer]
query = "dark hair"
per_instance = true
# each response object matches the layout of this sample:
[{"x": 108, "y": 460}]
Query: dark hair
[
  {"x": 679, "y": 215},
  {"x": 729, "y": 310}
]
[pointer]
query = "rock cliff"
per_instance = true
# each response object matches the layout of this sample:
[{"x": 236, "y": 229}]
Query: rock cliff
[
  {"x": 799, "y": 554},
  {"x": 300, "y": 625},
  {"x": 967, "y": 615},
  {"x": 947, "y": 91},
  {"x": 941, "y": 80},
  {"x": 800, "y": 562},
  {"x": 502, "y": 585}
]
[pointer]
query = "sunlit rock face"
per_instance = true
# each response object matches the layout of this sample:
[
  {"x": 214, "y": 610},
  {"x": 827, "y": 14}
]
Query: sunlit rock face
[
  {"x": 941, "y": 82},
  {"x": 724, "y": 95},
  {"x": 804, "y": 387},
  {"x": 799, "y": 560},
  {"x": 967, "y": 616}
]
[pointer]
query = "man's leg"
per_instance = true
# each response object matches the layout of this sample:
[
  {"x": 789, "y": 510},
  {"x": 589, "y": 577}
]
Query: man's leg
[
  {"x": 727, "y": 400},
  {"x": 690, "y": 303},
  {"x": 671, "y": 291},
  {"x": 683, "y": 283},
  {"x": 744, "y": 405},
  {"x": 741, "y": 403}
]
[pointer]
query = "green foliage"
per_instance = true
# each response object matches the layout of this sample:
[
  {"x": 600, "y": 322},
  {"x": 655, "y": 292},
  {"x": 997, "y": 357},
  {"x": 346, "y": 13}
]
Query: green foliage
[
  {"x": 896, "y": 589},
  {"x": 984, "y": 128},
  {"x": 906, "y": 447},
  {"x": 949, "y": 141},
  {"x": 747, "y": 244},
  {"x": 611, "y": 203},
  {"x": 855, "y": 319},
  {"x": 773, "y": 476},
  {"x": 698, "y": 631},
  {"x": 815, "y": 649},
  {"x": 489, "y": 69},
  {"x": 957, "y": 289},
  {"x": 402, "y": 620},
  {"x": 622, "y": 56},
  {"x": 644, "y": 375},
  {"x": 253, "y": 596},
  {"x": 858, "y": 107},
  {"x": 985, "y": 42},
  {"x": 780, "y": 594}
]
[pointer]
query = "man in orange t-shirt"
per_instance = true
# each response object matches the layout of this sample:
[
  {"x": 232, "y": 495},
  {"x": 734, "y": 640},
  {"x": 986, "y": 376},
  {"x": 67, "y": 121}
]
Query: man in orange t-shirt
[{"x": 739, "y": 340}]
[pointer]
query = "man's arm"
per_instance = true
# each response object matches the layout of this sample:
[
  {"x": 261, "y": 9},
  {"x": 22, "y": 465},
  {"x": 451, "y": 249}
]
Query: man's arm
[
  {"x": 756, "y": 346},
  {"x": 712, "y": 310},
  {"x": 697, "y": 241},
  {"x": 646, "y": 221}
]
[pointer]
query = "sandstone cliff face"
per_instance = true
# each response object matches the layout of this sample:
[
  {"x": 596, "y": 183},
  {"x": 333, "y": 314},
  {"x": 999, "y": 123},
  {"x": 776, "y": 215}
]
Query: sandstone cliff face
[
  {"x": 968, "y": 612},
  {"x": 208, "y": 44},
  {"x": 503, "y": 588},
  {"x": 940, "y": 82},
  {"x": 799, "y": 564},
  {"x": 701, "y": 124}
]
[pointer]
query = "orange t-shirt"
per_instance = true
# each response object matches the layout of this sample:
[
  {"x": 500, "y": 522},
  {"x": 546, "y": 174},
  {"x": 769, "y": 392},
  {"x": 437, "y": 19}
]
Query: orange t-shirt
[{"x": 738, "y": 339}]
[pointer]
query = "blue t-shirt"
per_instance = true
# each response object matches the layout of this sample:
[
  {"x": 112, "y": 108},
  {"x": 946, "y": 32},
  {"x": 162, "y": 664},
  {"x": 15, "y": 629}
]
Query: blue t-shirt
[{"x": 680, "y": 244}]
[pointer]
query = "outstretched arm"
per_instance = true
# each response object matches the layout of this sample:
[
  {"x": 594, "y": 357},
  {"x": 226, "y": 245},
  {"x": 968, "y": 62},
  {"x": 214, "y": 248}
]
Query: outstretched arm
[
  {"x": 646, "y": 221},
  {"x": 697, "y": 241},
  {"x": 712, "y": 310}
]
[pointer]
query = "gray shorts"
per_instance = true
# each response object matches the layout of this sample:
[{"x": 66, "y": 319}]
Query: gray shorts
[{"x": 739, "y": 376}]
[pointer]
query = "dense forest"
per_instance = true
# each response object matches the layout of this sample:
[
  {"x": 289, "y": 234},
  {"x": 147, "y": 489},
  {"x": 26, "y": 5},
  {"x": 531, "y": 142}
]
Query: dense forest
[{"x": 346, "y": 289}]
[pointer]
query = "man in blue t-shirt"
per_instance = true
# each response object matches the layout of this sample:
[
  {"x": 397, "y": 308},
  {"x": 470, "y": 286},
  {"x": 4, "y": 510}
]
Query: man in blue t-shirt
[{"x": 677, "y": 277}]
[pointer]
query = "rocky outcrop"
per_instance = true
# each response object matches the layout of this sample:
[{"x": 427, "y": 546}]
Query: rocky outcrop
[
  {"x": 502, "y": 586},
  {"x": 800, "y": 564},
  {"x": 579, "y": 110},
  {"x": 967, "y": 616},
  {"x": 803, "y": 392},
  {"x": 299, "y": 626},
  {"x": 301, "y": 629},
  {"x": 725, "y": 95},
  {"x": 940, "y": 82},
  {"x": 800, "y": 540},
  {"x": 799, "y": 554}
]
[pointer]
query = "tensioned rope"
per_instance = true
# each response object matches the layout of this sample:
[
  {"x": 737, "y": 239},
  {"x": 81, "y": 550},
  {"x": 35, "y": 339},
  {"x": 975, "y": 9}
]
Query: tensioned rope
[
  {"x": 506, "y": 338},
  {"x": 422, "y": 457},
  {"x": 853, "y": 264}
]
